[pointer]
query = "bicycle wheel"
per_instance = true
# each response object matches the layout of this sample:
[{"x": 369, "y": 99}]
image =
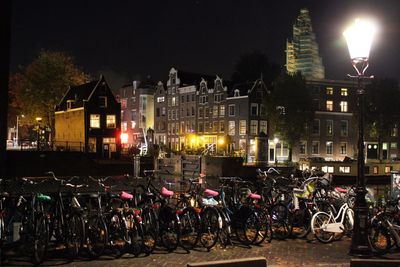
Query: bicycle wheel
[
  {"x": 150, "y": 228},
  {"x": 96, "y": 236},
  {"x": 279, "y": 212},
  {"x": 211, "y": 224},
  {"x": 40, "y": 239},
  {"x": 1, "y": 238},
  {"x": 117, "y": 233},
  {"x": 379, "y": 237},
  {"x": 224, "y": 235},
  {"x": 264, "y": 228},
  {"x": 301, "y": 223},
  {"x": 169, "y": 228},
  {"x": 318, "y": 224},
  {"x": 190, "y": 228},
  {"x": 135, "y": 235},
  {"x": 75, "y": 235}
]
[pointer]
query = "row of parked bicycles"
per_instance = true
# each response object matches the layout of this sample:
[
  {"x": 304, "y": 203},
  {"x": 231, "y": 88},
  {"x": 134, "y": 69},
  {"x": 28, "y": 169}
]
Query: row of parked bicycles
[{"x": 86, "y": 216}]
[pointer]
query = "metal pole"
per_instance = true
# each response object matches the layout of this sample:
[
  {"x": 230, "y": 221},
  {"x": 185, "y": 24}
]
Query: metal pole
[
  {"x": 16, "y": 132},
  {"x": 360, "y": 245}
]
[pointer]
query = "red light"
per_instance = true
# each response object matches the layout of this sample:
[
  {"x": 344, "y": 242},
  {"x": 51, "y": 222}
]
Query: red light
[{"x": 124, "y": 138}]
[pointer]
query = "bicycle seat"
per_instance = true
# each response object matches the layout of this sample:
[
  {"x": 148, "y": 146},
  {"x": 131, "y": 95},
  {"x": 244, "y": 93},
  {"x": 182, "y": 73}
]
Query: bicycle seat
[
  {"x": 254, "y": 196},
  {"x": 341, "y": 190},
  {"x": 210, "y": 193},
  {"x": 166, "y": 193},
  {"x": 126, "y": 196}
]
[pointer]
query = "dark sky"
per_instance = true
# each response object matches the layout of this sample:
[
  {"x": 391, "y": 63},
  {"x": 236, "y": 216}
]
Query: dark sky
[{"x": 129, "y": 38}]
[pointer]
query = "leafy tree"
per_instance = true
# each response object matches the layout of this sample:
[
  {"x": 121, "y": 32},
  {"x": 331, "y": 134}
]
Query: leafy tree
[
  {"x": 289, "y": 108},
  {"x": 382, "y": 112},
  {"x": 252, "y": 65},
  {"x": 38, "y": 87}
]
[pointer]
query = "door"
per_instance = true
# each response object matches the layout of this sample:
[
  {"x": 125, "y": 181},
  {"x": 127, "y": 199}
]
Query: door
[{"x": 106, "y": 151}]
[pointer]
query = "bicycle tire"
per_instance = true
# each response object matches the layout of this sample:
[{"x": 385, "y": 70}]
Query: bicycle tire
[
  {"x": 75, "y": 235},
  {"x": 150, "y": 228},
  {"x": 40, "y": 239},
  {"x": 379, "y": 237},
  {"x": 265, "y": 229},
  {"x": 317, "y": 222},
  {"x": 301, "y": 223},
  {"x": 169, "y": 228},
  {"x": 96, "y": 236},
  {"x": 224, "y": 235},
  {"x": 190, "y": 228},
  {"x": 135, "y": 233},
  {"x": 211, "y": 224}
]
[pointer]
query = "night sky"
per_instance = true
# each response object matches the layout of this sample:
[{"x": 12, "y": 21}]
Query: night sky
[{"x": 132, "y": 39}]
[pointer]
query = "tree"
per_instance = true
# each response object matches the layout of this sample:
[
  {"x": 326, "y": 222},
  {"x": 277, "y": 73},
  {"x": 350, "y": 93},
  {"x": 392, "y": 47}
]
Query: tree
[
  {"x": 252, "y": 65},
  {"x": 382, "y": 112},
  {"x": 38, "y": 87},
  {"x": 290, "y": 108}
]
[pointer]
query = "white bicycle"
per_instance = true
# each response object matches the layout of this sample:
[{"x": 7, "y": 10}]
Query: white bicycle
[{"x": 326, "y": 225}]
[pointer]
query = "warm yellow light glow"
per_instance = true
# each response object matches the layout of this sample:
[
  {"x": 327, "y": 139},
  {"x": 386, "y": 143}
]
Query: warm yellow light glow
[
  {"x": 38, "y": 119},
  {"x": 193, "y": 140},
  {"x": 221, "y": 141},
  {"x": 359, "y": 38},
  {"x": 124, "y": 138},
  {"x": 276, "y": 140}
]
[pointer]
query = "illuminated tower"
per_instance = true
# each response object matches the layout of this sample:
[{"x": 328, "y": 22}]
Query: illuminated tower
[{"x": 302, "y": 52}]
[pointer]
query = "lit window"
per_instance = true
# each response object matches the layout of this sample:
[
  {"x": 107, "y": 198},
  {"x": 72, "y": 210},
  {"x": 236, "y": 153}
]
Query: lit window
[
  {"x": 344, "y": 169},
  {"x": 264, "y": 127},
  {"x": 393, "y": 145},
  {"x": 343, "y": 91},
  {"x": 343, "y": 106},
  {"x": 329, "y": 90},
  {"x": 242, "y": 127},
  {"x": 231, "y": 128},
  {"x": 329, "y": 127},
  {"x": 124, "y": 126},
  {"x": 110, "y": 121},
  {"x": 329, "y": 148},
  {"x": 160, "y": 99},
  {"x": 376, "y": 169},
  {"x": 394, "y": 131},
  {"x": 343, "y": 148},
  {"x": 133, "y": 124},
  {"x": 215, "y": 111},
  {"x": 173, "y": 101},
  {"x": 388, "y": 169},
  {"x": 231, "y": 110},
  {"x": 124, "y": 103},
  {"x": 94, "y": 121},
  {"x": 253, "y": 127},
  {"x": 222, "y": 111},
  {"x": 327, "y": 169},
  {"x": 315, "y": 147},
  {"x": 329, "y": 105}
]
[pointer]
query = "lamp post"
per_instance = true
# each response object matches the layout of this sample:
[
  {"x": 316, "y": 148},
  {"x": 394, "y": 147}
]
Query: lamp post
[
  {"x": 359, "y": 39},
  {"x": 38, "y": 120},
  {"x": 16, "y": 128}
]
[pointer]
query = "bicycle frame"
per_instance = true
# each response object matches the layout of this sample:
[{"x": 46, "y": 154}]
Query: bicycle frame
[{"x": 338, "y": 226}]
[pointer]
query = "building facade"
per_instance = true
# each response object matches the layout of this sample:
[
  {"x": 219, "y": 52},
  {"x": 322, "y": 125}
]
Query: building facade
[
  {"x": 302, "y": 52},
  {"x": 88, "y": 119}
]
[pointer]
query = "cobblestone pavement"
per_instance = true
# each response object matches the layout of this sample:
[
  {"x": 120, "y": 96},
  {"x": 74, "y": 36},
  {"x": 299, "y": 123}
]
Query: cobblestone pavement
[{"x": 278, "y": 253}]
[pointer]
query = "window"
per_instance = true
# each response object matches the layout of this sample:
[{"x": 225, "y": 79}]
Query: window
[
  {"x": 327, "y": 169},
  {"x": 222, "y": 111},
  {"x": 160, "y": 99},
  {"x": 187, "y": 98},
  {"x": 376, "y": 170},
  {"x": 254, "y": 109},
  {"x": 187, "y": 112},
  {"x": 315, "y": 147},
  {"x": 124, "y": 126},
  {"x": 173, "y": 101},
  {"x": 217, "y": 98},
  {"x": 204, "y": 99},
  {"x": 70, "y": 102},
  {"x": 206, "y": 127},
  {"x": 158, "y": 113},
  {"x": 329, "y": 148},
  {"x": 163, "y": 111},
  {"x": 215, "y": 126},
  {"x": 183, "y": 99},
  {"x": 110, "y": 121},
  {"x": 200, "y": 112},
  {"x": 343, "y": 106},
  {"x": 92, "y": 144},
  {"x": 329, "y": 127},
  {"x": 264, "y": 127},
  {"x": 393, "y": 145},
  {"x": 133, "y": 100},
  {"x": 315, "y": 128},
  {"x": 253, "y": 127},
  {"x": 94, "y": 121},
  {"x": 193, "y": 111},
  {"x": 344, "y": 128},
  {"x": 206, "y": 112},
  {"x": 133, "y": 124},
  {"x": 388, "y": 169},
  {"x": 344, "y": 169},
  {"x": 102, "y": 101},
  {"x": 201, "y": 129},
  {"x": 329, "y": 105},
  {"x": 343, "y": 91},
  {"x": 222, "y": 126},
  {"x": 303, "y": 147},
  {"x": 343, "y": 148},
  {"x": 242, "y": 127},
  {"x": 231, "y": 128},
  {"x": 394, "y": 131},
  {"x": 193, "y": 97},
  {"x": 215, "y": 111},
  {"x": 231, "y": 110},
  {"x": 329, "y": 90},
  {"x": 263, "y": 110}
]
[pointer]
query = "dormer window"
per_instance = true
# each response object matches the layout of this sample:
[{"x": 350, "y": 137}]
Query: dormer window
[
  {"x": 236, "y": 93},
  {"x": 70, "y": 104},
  {"x": 102, "y": 101}
]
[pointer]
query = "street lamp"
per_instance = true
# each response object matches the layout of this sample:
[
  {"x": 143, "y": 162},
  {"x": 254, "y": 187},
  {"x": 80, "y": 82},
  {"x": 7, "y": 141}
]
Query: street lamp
[
  {"x": 359, "y": 39},
  {"x": 16, "y": 128},
  {"x": 38, "y": 120}
]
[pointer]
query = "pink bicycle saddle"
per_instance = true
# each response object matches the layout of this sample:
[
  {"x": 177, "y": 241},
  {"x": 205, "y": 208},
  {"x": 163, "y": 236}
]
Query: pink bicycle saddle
[
  {"x": 126, "y": 196},
  {"x": 210, "y": 193},
  {"x": 341, "y": 190},
  {"x": 254, "y": 196},
  {"x": 166, "y": 193}
]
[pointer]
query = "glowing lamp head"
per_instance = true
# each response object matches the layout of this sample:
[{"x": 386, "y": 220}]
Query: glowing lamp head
[
  {"x": 124, "y": 138},
  {"x": 359, "y": 38},
  {"x": 221, "y": 141},
  {"x": 276, "y": 140},
  {"x": 193, "y": 140}
]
